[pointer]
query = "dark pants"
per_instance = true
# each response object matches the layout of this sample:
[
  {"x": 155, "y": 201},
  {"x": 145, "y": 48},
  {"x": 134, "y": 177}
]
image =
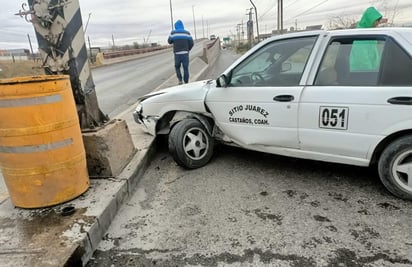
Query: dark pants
[{"x": 182, "y": 59}]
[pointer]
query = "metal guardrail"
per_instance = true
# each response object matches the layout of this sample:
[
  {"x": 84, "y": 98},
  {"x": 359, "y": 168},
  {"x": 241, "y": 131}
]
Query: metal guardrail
[{"x": 130, "y": 52}]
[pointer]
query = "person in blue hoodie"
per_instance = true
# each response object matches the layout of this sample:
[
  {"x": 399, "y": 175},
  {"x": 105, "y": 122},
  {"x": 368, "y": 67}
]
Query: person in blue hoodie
[{"x": 182, "y": 43}]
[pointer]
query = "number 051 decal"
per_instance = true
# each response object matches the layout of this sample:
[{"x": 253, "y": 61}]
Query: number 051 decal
[{"x": 333, "y": 117}]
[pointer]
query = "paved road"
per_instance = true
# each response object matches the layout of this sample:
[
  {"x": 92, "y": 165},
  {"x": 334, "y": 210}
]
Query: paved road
[
  {"x": 225, "y": 59},
  {"x": 254, "y": 209},
  {"x": 120, "y": 85}
]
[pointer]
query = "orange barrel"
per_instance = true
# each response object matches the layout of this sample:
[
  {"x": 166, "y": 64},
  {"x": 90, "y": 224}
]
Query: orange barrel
[{"x": 42, "y": 155}]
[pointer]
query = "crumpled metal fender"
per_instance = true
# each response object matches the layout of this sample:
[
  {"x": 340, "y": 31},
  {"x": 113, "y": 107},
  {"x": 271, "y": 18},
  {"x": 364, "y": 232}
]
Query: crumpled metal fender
[{"x": 181, "y": 115}]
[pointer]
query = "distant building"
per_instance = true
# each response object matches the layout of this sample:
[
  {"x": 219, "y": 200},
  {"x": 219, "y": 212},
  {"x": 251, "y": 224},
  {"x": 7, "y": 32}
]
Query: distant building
[
  {"x": 313, "y": 27},
  {"x": 15, "y": 54},
  {"x": 275, "y": 32},
  {"x": 264, "y": 36}
]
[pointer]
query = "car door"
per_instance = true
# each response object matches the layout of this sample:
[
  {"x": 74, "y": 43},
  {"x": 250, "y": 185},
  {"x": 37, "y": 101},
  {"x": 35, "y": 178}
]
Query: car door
[
  {"x": 349, "y": 109},
  {"x": 259, "y": 105}
]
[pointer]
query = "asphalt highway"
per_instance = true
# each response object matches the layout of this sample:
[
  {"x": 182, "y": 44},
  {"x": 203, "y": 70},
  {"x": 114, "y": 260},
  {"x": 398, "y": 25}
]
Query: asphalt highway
[{"x": 118, "y": 86}]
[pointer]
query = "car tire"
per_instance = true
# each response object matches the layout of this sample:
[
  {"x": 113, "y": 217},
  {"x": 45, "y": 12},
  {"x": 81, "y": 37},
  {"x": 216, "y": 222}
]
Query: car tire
[
  {"x": 190, "y": 144},
  {"x": 395, "y": 167}
]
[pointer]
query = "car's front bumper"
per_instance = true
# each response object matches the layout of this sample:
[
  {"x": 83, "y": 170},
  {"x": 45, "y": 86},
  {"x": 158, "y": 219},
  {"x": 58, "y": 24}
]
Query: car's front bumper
[
  {"x": 148, "y": 123},
  {"x": 137, "y": 116}
]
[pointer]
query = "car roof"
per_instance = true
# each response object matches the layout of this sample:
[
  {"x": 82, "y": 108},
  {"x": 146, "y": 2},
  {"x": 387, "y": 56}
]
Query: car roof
[
  {"x": 378, "y": 30},
  {"x": 403, "y": 35},
  {"x": 406, "y": 33}
]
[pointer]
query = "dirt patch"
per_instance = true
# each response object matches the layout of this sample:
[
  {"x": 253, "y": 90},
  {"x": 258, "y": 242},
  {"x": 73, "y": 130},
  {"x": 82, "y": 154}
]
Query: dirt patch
[{"x": 10, "y": 69}]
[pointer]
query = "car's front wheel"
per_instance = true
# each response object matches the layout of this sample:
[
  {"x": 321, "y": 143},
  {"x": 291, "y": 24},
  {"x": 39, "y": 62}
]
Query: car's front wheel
[
  {"x": 395, "y": 167},
  {"x": 190, "y": 144}
]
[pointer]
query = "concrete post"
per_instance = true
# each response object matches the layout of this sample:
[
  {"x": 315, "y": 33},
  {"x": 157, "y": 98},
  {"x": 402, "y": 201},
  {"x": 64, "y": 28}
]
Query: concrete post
[
  {"x": 59, "y": 32},
  {"x": 60, "y": 35}
]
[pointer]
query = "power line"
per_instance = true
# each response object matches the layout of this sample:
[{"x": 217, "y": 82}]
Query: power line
[
  {"x": 267, "y": 11},
  {"x": 264, "y": 13},
  {"x": 315, "y": 6},
  {"x": 308, "y": 10},
  {"x": 292, "y": 3}
]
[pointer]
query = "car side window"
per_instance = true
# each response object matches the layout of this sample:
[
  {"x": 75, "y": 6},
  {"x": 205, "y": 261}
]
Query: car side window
[
  {"x": 280, "y": 63},
  {"x": 351, "y": 62},
  {"x": 297, "y": 61},
  {"x": 327, "y": 74},
  {"x": 396, "y": 67},
  {"x": 259, "y": 63}
]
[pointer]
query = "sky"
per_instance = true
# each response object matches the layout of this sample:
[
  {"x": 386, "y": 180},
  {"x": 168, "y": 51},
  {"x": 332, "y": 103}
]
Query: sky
[{"x": 131, "y": 21}]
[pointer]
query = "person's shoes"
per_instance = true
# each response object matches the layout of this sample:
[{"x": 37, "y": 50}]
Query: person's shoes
[{"x": 180, "y": 82}]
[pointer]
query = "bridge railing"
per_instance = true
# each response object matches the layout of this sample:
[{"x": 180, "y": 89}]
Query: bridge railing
[
  {"x": 130, "y": 52},
  {"x": 110, "y": 57}
]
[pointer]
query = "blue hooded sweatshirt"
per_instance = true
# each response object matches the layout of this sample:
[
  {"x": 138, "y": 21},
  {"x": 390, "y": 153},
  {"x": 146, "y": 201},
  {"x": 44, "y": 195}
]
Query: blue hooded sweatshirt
[{"x": 180, "y": 38}]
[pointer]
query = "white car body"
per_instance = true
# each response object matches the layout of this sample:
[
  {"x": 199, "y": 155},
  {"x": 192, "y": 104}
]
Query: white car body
[{"x": 328, "y": 122}]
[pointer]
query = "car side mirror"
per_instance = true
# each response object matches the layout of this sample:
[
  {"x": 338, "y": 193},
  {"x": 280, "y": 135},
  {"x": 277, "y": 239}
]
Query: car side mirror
[
  {"x": 286, "y": 66},
  {"x": 221, "y": 81}
]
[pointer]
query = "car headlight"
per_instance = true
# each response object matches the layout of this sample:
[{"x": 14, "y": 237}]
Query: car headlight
[{"x": 139, "y": 108}]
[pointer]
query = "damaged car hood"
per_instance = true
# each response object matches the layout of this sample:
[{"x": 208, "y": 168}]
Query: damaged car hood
[
  {"x": 185, "y": 92},
  {"x": 188, "y": 97}
]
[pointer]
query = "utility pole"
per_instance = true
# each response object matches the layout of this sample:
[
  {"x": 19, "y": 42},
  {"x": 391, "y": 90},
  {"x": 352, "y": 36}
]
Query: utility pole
[
  {"x": 60, "y": 36},
  {"x": 250, "y": 29},
  {"x": 256, "y": 17},
  {"x": 87, "y": 23},
  {"x": 31, "y": 47},
  {"x": 280, "y": 16},
  {"x": 66, "y": 54},
  {"x": 203, "y": 27},
  {"x": 238, "y": 33},
  {"x": 243, "y": 32},
  {"x": 113, "y": 42},
  {"x": 171, "y": 13},
  {"x": 194, "y": 21}
]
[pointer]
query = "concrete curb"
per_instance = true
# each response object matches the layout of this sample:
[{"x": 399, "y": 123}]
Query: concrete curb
[{"x": 130, "y": 177}]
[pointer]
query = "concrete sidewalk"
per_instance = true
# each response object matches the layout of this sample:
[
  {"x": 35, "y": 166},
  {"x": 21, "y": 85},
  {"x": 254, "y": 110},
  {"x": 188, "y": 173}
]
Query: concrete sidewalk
[{"x": 44, "y": 237}]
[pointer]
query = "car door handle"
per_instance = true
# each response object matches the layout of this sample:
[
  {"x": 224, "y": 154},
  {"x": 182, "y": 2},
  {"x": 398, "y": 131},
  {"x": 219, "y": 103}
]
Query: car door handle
[
  {"x": 284, "y": 98},
  {"x": 400, "y": 100}
]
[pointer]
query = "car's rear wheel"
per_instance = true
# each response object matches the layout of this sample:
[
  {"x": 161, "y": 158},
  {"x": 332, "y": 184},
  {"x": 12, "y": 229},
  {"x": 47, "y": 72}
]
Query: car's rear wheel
[
  {"x": 190, "y": 144},
  {"x": 395, "y": 167}
]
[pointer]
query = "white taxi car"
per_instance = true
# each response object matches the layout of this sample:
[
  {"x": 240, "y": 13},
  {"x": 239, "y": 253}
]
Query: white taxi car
[{"x": 338, "y": 96}]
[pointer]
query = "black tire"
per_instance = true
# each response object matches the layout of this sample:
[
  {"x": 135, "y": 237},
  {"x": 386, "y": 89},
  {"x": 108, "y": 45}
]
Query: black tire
[
  {"x": 395, "y": 167},
  {"x": 190, "y": 144}
]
